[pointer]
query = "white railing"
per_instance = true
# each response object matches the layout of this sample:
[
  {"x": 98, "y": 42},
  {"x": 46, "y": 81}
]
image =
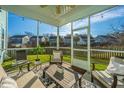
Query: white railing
[{"x": 94, "y": 52}]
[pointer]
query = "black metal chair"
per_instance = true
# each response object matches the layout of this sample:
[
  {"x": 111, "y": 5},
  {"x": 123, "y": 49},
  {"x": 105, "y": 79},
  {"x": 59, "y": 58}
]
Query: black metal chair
[
  {"x": 21, "y": 60},
  {"x": 21, "y": 55}
]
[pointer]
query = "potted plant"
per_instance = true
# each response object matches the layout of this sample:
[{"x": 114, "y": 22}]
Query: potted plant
[{"x": 38, "y": 50}]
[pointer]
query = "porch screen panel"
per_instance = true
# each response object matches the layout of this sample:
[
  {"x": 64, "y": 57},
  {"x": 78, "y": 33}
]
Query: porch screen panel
[
  {"x": 3, "y": 24},
  {"x": 47, "y": 35},
  {"x": 107, "y": 30},
  {"x": 80, "y": 56},
  {"x": 65, "y": 41},
  {"x": 65, "y": 36},
  {"x": 80, "y": 23},
  {"x": 21, "y": 31}
]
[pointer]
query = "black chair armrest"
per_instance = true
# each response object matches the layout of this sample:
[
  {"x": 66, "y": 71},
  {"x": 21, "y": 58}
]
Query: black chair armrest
[
  {"x": 93, "y": 64},
  {"x": 61, "y": 58},
  {"x": 114, "y": 84},
  {"x": 115, "y": 78},
  {"x": 116, "y": 74},
  {"x": 50, "y": 58}
]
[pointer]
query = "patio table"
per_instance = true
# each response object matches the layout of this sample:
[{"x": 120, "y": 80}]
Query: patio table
[
  {"x": 69, "y": 78},
  {"x": 22, "y": 63}
]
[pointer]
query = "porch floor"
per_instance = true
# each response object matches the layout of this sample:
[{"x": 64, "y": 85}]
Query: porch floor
[{"x": 39, "y": 72}]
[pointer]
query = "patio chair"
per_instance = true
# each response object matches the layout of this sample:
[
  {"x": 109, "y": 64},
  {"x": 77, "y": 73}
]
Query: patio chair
[
  {"x": 27, "y": 80},
  {"x": 21, "y": 55},
  {"x": 57, "y": 57},
  {"x": 21, "y": 60},
  {"x": 113, "y": 76},
  {"x": 81, "y": 71}
]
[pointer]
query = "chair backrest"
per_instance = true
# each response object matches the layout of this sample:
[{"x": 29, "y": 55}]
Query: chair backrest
[
  {"x": 119, "y": 60},
  {"x": 21, "y": 55},
  {"x": 116, "y": 65},
  {"x": 57, "y": 54}
]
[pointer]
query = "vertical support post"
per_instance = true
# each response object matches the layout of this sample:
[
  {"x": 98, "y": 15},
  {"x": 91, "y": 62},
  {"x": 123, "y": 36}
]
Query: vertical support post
[
  {"x": 0, "y": 38},
  {"x": 6, "y": 33},
  {"x": 37, "y": 33},
  {"x": 88, "y": 43},
  {"x": 57, "y": 38},
  {"x": 71, "y": 42},
  {"x": 37, "y": 36}
]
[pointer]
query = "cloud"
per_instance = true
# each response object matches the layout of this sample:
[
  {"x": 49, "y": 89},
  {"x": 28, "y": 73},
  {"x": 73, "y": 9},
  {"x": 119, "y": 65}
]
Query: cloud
[
  {"x": 66, "y": 29},
  {"x": 102, "y": 16},
  {"x": 109, "y": 14}
]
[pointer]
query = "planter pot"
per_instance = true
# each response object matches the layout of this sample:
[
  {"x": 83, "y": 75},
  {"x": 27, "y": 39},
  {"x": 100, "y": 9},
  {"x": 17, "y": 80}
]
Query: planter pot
[{"x": 37, "y": 60}]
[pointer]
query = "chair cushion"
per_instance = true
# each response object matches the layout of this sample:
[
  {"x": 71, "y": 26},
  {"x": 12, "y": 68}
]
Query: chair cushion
[
  {"x": 29, "y": 80},
  {"x": 105, "y": 78},
  {"x": 116, "y": 65},
  {"x": 56, "y": 55},
  {"x": 55, "y": 60},
  {"x": 7, "y": 82},
  {"x": 2, "y": 72}
]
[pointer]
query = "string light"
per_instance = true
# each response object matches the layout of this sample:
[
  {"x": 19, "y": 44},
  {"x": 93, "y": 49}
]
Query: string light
[
  {"x": 23, "y": 18},
  {"x": 104, "y": 12}
]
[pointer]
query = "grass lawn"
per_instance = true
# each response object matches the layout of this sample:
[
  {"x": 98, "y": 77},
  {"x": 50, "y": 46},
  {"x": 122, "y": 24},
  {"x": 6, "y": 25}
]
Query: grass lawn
[
  {"x": 46, "y": 58},
  {"x": 43, "y": 58}
]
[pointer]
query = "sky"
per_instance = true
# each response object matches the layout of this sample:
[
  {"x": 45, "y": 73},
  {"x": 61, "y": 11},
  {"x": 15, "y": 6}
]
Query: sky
[{"x": 101, "y": 24}]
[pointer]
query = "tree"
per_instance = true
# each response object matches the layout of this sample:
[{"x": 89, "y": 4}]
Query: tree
[
  {"x": 118, "y": 32},
  {"x": 29, "y": 33}
]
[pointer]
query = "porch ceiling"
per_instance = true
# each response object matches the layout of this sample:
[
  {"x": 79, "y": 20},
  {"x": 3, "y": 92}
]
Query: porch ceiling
[{"x": 48, "y": 14}]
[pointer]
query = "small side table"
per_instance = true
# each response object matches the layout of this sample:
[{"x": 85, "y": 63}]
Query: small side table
[
  {"x": 37, "y": 65},
  {"x": 20, "y": 65}
]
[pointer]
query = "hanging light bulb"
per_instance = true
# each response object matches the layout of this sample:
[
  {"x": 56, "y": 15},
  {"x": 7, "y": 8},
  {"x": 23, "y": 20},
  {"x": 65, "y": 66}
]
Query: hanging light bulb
[
  {"x": 23, "y": 18},
  {"x": 102, "y": 16},
  {"x": 0, "y": 9}
]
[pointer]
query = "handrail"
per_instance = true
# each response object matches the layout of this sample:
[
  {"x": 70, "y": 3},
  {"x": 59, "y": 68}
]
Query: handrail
[{"x": 2, "y": 56}]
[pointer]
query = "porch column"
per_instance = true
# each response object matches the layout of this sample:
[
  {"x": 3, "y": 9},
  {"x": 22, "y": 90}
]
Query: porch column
[
  {"x": 71, "y": 42},
  {"x": 57, "y": 37},
  {"x": 88, "y": 45},
  {"x": 38, "y": 32},
  {"x": 6, "y": 32}
]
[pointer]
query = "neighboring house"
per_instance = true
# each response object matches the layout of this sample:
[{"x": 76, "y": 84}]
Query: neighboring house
[
  {"x": 18, "y": 41},
  {"x": 77, "y": 40},
  {"x": 42, "y": 40},
  {"x": 106, "y": 40},
  {"x": 52, "y": 40},
  {"x": 120, "y": 37},
  {"x": 67, "y": 40},
  {"x": 100, "y": 39},
  {"x": 82, "y": 40},
  {"x": 33, "y": 40}
]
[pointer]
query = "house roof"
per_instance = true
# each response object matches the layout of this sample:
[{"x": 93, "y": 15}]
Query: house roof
[
  {"x": 107, "y": 37},
  {"x": 36, "y": 36},
  {"x": 47, "y": 14},
  {"x": 18, "y": 36},
  {"x": 53, "y": 37},
  {"x": 67, "y": 37}
]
